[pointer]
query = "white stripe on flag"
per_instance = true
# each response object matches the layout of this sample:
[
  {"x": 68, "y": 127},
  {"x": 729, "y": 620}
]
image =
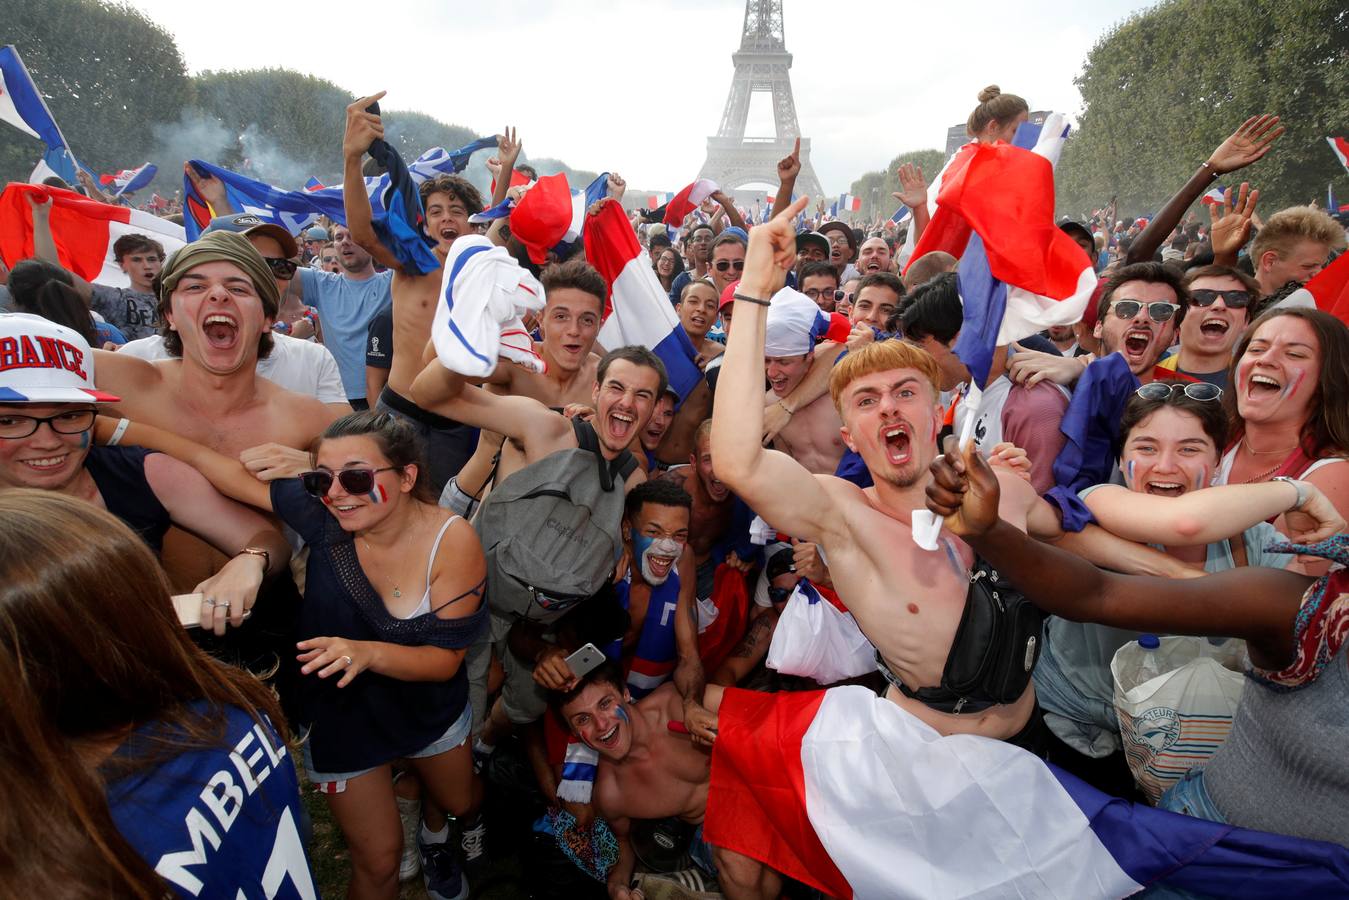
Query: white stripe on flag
[
  {"x": 905, "y": 812},
  {"x": 1027, "y": 313},
  {"x": 171, "y": 236}
]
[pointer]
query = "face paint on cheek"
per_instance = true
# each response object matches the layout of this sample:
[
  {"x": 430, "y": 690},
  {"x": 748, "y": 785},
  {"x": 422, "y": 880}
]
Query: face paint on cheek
[
  {"x": 644, "y": 548},
  {"x": 1129, "y": 475},
  {"x": 622, "y": 712},
  {"x": 84, "y": 440},
  {"x": 1201, "y": 478},
  {"x": 378, "y": 495},
  {"x": 1292, "y": 386},
  {"x": 327, "y": 501}
]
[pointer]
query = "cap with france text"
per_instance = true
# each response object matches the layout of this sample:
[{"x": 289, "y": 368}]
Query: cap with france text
[{"x": 42, "y": 362}]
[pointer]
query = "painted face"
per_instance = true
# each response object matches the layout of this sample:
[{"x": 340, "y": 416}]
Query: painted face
[
  {"x": 784, "y": 373},
  {"x": 1140, "y": 338},
  {"x": 728, "y": 264},
  {"x": 446, "y": 219},
  {"x": 1278, "y": 375},
  {"x": 874, "y": 256},
  {"x": 571, "y": 320},
  {"x": 351, "y": 256},
  {"x": 46, "y": 459},
  {"x": 624, "y": 402},
  {"x": 141, "y": 267},
  {"x": 661, "y": 418},
  {"x": 702, "y": 462},
  {"x": 358, "y": 512},
  {"x": 1169, "y": 454},
  {"x": 1214, "y": 329},
  {"x": 891, "y": 420},
  {"x": 658, "y": 538},
  {"x": 217, "y": 312},
  {"x": 599, "y": 718},
  {"x": 873, "y": 305},
  {"x": 698, "y": 310}
]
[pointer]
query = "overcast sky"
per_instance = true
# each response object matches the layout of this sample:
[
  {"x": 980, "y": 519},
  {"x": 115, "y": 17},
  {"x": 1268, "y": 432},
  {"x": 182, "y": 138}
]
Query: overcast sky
[{"x": 637, "y": 87}]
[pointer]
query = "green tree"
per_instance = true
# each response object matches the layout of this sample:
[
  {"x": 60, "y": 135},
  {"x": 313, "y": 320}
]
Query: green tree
[
  {"x": 876, "y": 187},
  {"x": 107, "y": 73},
  {"x": 1163, "y": 88}
]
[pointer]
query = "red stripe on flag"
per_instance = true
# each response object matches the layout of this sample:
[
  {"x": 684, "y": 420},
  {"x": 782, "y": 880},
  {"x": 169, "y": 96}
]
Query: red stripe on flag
[
  {"x": 1330, "y": 288},
  {"x": 731, "y": 598},
  {"x": 79, "y": 226},
  {"x": 610, "y": 244},
  {"x": 756, "y": 803}
]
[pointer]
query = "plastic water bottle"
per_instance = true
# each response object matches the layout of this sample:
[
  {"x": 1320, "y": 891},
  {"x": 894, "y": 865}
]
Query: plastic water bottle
[{"x": 1149, "y": 668}]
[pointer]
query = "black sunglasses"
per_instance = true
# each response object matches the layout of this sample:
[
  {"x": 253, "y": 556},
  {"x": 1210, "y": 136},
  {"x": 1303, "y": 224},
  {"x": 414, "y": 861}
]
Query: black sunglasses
[
  {"x": 1233, "y": 299},
  {"x": 1159, "y": 311},
  {"x": 780, "y": 595},
  {"x": 318, "y": 482},
  {"x": 1164, "y": 390},
  {"x": 282, "y": 268},
  {"x": 724, "y": 264}
]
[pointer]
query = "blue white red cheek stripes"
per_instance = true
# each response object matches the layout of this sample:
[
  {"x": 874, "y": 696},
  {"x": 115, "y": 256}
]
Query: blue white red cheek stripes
[{"x": 378, "y": 495}]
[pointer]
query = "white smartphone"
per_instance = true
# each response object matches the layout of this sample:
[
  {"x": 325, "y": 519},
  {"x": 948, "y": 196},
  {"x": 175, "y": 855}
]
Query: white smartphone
[
  {"x": 585, "y": 660},
  {"x": 188, "y": 607}
]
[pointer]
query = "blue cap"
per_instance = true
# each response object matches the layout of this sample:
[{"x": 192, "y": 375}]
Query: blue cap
[
  {"x": 1149, "y": 641},
  {"x": 248, "y": 223}
]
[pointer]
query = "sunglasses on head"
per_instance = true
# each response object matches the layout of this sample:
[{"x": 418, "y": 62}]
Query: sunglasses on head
[
  {"x": 724, "y": 264},
  {"x": 1233, "y": 299},
  {"x": 1165, "y": 390},
  {"x": 282, "y": 268},
  {"x": 318, "y": 482},
  {"x": 1158, "y": 310}
]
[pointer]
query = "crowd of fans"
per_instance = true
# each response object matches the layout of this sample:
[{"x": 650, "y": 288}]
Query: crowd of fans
[{"x": 249, "y": 505}]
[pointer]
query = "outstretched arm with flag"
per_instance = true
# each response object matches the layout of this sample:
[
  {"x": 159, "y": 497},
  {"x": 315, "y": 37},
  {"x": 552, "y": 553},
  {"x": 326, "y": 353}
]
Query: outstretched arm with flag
[{"x": 363, "y": 128}]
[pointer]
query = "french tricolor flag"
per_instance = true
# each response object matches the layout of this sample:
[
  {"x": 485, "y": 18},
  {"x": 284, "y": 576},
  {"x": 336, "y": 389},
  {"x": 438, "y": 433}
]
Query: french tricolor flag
[
  {"x": 1327, "y": 291},
  {"x": 128, "y": 181},
  {"x": 848, "y": 793},
  {"x": 645, "y": 675},
  {"x": 1213, "y": 197},
  {"x": 84, "y": 230},
  {"x": 639, "y": 309},
  {"x": 22, "y": 106},
  {"x": 686, "y": 201},
  {"x": 1340, "y": 147},
  {"x": 313, "y": 184}
]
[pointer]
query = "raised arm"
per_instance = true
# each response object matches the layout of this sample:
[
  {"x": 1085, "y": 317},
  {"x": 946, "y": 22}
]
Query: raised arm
[
  {"x": 44, "y": 242},
  {"x": 228, "y": 476},
  {"x": 508, "y": 151},
  {"x": 1257, "y": 604},
  {"x": 788, "y": 168},
  {"x": 689, "y": 676},
  {"x": 1214, "y": 513},
  {"x": 523, "y": 419},
  {"x": 362, "y": 129},
  {"x": 913, "y": 194},
  {"x": 772, "y": 483},
  {"x": 732, "y": 214},
  {"x": 1247, "y": 144}
]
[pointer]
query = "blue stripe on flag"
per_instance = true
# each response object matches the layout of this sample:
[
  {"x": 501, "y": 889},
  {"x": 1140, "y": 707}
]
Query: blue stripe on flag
[
  {"x": 449, "y": 301},
  {"x": 677, "y": 352},
  {"x": 574, "y": 771},
  {"x": 984, "y": 299}
]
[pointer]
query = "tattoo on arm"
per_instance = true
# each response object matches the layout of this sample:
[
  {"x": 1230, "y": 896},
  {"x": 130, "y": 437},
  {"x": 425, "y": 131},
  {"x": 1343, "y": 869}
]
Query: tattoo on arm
[{"x": 759, "y": 630}]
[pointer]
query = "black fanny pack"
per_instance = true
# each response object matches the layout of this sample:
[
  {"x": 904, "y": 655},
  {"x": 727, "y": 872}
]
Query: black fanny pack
[{"x": 994, "y": 651}]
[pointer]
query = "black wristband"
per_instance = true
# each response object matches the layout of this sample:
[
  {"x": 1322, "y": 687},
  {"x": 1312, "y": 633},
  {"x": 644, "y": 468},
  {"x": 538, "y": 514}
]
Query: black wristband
[{"x": 755, "y": 300}]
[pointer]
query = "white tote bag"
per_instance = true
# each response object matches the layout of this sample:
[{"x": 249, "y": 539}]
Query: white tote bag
[
  {"x": 1178, "y": 719},
  {"x": 815, "y": 639}
]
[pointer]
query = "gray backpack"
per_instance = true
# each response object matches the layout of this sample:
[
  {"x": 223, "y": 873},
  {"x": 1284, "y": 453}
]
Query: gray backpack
[{"x": 552, "y": 531}]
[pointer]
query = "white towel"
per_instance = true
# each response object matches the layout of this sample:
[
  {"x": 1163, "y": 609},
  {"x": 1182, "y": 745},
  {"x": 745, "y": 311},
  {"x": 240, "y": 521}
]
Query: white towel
[{"x": 483, "y": 294}]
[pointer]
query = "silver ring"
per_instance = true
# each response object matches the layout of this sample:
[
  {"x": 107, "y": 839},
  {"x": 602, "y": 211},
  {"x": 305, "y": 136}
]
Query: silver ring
[
  {"x": 209, "y": 601},
  {"x": 247, "y": 613},
  {"x": 349, "y": 661}
]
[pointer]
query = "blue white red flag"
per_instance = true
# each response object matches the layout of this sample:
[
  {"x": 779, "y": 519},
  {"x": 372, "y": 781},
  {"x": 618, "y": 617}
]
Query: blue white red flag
[
  {"x": 22, "y": 106},
  {"x": 639, "y": 310},
  {"x": 1327, "y": 291},
  {"x": 128, "y": 181},
  {"x": 313, "y": 184},
  {"x": 846, "y": 792},
  {"x": 1340, "y": 147},
  {"x": 902, "y": 215},
  {"x": 677, "y": 207},
  {"x": 1214, "y": 196},
  {"x": 580, "y": 202}
]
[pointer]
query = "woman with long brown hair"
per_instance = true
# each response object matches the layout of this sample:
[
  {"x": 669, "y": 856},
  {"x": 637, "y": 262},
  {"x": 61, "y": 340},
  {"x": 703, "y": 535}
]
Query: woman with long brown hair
[{"x": 131, "y": 763}]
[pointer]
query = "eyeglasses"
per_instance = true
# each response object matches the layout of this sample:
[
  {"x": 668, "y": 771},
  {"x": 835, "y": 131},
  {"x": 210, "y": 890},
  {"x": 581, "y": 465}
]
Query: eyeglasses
[
  {"x": 1233, "y": 299},
  {"x": 816, "y": 293},
  {"x": 354, "y": 481},
  {"x": 1165, "y": 390},
  {"x": 1158, "y": 310},
  {"x": 723, "y": 264},
  {"x": 282, "y": 268},
  {"x": 780, "y": 595},
  {"x": 76, "y": 421}
]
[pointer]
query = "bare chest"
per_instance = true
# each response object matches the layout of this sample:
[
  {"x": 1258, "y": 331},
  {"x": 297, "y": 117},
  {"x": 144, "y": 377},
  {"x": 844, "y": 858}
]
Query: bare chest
[{"x": 814, "y": 436}]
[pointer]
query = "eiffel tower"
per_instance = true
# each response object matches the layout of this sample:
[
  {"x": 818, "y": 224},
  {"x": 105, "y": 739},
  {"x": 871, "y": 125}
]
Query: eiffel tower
[{"x": 761, "y": 64}]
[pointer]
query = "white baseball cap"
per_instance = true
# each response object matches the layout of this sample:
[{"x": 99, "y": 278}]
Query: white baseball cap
[{"x": 43, "y": 362}]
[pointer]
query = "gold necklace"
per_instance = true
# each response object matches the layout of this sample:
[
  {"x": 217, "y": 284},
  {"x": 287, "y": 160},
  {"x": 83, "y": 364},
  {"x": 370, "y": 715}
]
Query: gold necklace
[
  {"x": 1251, "y": 450},
  {"x": 396, "y": 591}
]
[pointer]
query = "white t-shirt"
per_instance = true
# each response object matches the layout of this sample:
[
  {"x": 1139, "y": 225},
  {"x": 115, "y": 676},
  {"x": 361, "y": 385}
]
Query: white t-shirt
[{"x": 296, "y": 365}]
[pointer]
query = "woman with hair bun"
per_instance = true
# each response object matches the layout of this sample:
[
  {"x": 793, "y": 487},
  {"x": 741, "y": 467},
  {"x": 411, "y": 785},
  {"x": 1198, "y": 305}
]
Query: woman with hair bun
[{"x": 997, "y": 116}]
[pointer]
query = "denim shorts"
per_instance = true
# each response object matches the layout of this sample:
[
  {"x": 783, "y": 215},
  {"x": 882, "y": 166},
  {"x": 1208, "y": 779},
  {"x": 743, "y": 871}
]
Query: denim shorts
[
  {"x": 1190, "y": 797},
  {"x": 336, "y": 782}
]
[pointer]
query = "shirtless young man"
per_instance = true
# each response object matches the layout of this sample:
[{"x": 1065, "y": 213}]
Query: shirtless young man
[
  {"x": 906, "y": 600},
  {"x": 647, "y": 772},
  {"x": 811, "y": 433},
  {"x": 712, "y": 499},
  {"x": 697, "y": 310}
]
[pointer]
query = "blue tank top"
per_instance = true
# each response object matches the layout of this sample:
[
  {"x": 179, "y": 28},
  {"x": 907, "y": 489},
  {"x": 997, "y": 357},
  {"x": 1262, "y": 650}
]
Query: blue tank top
[
  {"x": 376, "y": 718},
  {"x": 654, "y": 656},
  {"x": 119, "y": 475},
  {"x": 217, "y": 821}
]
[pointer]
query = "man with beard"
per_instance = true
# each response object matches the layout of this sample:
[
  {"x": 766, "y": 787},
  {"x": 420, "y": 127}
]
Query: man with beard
[
  {"x": 1218, "y": 311},
  {"x": 627, "y": 383},
  {"x": 646, "y": 771},
  {"x": 873, "y": 257}
]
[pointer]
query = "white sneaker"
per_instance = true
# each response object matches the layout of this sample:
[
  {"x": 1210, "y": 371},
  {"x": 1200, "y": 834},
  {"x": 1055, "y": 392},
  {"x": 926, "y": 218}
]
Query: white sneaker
[{"x": 410, "y": 812}]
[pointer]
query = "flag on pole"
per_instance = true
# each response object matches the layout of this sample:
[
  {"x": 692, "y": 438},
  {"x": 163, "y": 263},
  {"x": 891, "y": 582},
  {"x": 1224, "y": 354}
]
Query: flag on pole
[
  {"x": 846, "y": 792},
  {"x": 128, "y": 181},
  {"x": 22, "y": 106},
  {"x": 313, "y": 184},
  {"x": 855, "y": 204},
  {"x": 84, "y": 230},
  {"x": 1340, "y": 147},
  {"x": 639, "y": 310},
  {"x": 687, "y": 200}
]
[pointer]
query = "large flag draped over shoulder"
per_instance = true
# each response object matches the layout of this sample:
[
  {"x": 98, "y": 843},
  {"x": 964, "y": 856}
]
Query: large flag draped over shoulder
[
  {"x": 1328, "y": 291},
  {"x": 22, "y": 106},
  {"x": 846, "y": 792},
  {"x": 295, "y": 210},
  {"x": 639, "y": 308},
  {"x": 84, "y": 231}
]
